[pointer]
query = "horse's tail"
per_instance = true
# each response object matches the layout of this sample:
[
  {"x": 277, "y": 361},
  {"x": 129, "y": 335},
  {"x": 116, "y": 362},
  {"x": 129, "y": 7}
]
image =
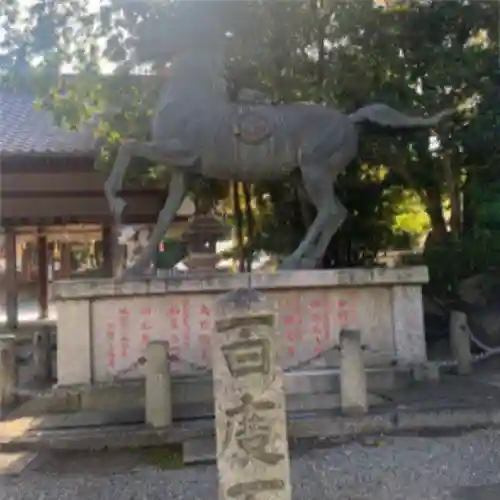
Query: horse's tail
[{"x": 385, "y": 116}]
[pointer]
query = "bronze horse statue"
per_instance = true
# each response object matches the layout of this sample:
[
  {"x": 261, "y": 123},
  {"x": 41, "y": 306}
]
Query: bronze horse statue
[{"x": 195, "y": 129}]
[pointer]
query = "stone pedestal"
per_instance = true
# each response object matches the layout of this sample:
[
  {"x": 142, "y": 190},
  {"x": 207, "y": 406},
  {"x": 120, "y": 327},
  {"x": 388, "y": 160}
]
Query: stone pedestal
[
  {"x": 8, "y": 370},
  {"x": 460, "y": 342},
  {"x": 250, "y": 416},
  {"x": 313, "y": 306},
  {"x": 353, "y": 393},
  {"x": 158, "y": 385},
  {"x": 42, "y": 355}
]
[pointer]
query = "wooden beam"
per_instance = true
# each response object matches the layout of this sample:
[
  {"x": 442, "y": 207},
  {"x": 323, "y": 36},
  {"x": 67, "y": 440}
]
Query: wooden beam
[
  {"x": 43, "y": 277},
  {"x": 11, "y": 284},
  {"x": 41, "y": 183},
  {"x": 85, "y": 209}
]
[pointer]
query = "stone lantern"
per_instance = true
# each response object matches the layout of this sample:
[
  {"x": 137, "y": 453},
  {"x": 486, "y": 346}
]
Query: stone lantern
[{"x": 201, "y": 238}]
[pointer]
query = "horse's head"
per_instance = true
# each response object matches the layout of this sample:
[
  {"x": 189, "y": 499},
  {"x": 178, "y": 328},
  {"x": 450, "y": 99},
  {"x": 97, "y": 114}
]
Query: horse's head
[{"x": 190, "y": 27}]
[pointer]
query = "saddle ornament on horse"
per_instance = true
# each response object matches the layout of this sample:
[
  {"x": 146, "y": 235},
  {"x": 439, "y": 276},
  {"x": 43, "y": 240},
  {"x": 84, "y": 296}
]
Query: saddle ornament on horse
[{"x": 252, "y": 128}]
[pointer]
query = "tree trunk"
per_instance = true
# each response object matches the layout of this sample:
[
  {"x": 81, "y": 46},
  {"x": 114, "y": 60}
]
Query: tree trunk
[
  {"x": 453, "y": 183},
  {"x": 434, "y": 208},
  {"x": 468, "y": 206},
  {"x": 238, "y": 220},
  {"x": 321, "y": 24},
  {"x": 250, "y": 226}
]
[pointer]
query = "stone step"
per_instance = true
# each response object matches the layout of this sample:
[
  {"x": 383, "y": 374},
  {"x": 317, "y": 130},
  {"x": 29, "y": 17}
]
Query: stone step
[
  {"x": 124, "y": 412},
  {"x": 85, "y": 419},
  {"x": 30, "y": 434},
  {"x": 306, "y": 390},
  {"x": 12, "y": 464},
  {"x": 199, "y": 451}
]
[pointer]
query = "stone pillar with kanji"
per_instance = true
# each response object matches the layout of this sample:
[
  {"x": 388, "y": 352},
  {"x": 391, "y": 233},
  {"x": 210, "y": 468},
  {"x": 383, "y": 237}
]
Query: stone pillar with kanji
[{"x": 250, "y": 415}]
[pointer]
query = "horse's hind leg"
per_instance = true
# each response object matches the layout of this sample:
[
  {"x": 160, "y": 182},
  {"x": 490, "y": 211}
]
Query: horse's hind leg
[
  {"x": 332, "y": 226},
  {"x": 318, "y": 180},
  {"x": 319, "y": 187}
]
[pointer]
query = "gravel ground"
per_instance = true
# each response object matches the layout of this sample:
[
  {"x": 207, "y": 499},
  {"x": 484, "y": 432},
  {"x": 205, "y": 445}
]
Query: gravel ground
[{"x": 398, "y": 468}]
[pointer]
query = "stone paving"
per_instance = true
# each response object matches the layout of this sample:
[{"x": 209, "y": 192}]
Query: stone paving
[
  {"x": 451, "y": 465},
  {"x": 461, "y": 467},
  {"x": 455, "y": 465}
]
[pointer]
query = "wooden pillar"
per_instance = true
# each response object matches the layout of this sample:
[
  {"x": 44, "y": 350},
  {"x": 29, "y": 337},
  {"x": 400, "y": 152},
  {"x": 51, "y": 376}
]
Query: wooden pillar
[
  {"x": 65, "y": 269},
  {"x": 11, "y": 283},
  {"x": 30, "y": 250},
  {"x": 112, "y": 254},
  {"x": 107, "y": 251},
  {"x": 43, "y": 277},
  {"x": 25, "y": 268}
]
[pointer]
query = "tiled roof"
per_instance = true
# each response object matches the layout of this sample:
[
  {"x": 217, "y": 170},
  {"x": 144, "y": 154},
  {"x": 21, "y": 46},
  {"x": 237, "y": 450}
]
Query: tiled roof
[{"x": 25, "y": 130}]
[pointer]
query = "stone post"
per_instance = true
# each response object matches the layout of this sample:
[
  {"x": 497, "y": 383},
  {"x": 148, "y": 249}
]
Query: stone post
[
  {"x": 42, "y": 354},
  {"x": 353, "y": 392},
  {"x": 460, "y": 342},
  {"x": 250, "y": 416},
  {"x": 158, "y": 397},
  {"x": 8, "y": 371}
]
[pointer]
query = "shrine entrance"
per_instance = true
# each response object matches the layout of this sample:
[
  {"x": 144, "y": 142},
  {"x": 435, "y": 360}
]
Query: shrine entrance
[{"x": 53, "y": 209}]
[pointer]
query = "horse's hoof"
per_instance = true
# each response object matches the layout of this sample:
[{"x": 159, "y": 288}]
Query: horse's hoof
[
  {"x": 133, "y": 273},
  {"x": 137, "y": 270},
  {"x": 308, "y": 263},
  {"x": 289, "y": 264},
  {"x": 293, "y": 264}
]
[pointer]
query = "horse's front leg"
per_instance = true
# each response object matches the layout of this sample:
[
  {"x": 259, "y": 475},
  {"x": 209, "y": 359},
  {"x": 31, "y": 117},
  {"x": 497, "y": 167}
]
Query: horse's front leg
[
  {"x": 114, "y": 182},
  {"x": 176, "y": 193},
  {"x": 169, "y": 152}
]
